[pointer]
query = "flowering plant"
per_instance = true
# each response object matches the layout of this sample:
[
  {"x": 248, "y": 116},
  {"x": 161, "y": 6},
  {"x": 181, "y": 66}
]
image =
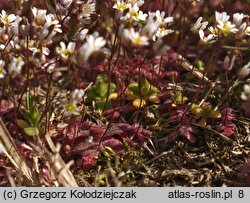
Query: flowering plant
[{"x": 94, "y": 92}]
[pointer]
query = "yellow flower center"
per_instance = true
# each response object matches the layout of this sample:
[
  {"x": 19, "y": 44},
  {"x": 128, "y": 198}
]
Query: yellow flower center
[
  {"x": 226, "y": 28},
  {"x": 121, "y": 6},
  {"x": 138, "y": 40},
  {"x": 70, "y": 107}
]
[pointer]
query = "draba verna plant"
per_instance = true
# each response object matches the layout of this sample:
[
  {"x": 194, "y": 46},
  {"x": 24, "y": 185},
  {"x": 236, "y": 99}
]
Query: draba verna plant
[{"x": 124, "y": 93}]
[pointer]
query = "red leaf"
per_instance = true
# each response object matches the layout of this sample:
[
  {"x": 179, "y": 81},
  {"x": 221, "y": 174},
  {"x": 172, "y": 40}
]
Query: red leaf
[
  {"x": 88, "y": 159},
  {"x": 114, "y": 144}
]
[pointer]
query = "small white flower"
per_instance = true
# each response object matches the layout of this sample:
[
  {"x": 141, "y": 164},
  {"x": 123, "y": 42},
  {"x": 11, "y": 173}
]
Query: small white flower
[
  {"x": 9, "y": 20},
  {"x": 151, "y": 25},
  {"x": 138, "y": 2},
  {"x": 87, "y": 9},
  {"x": 66, "y": 3},
  {"x": 134, "y": 14},
  {"x": 244, "y": 71},
  {"x": 93, "y": 44},
  {"x": 39, "y": 16},
  {"x": 120, "y": 6},
  {"x": 77, "y": 95},
  {"x": 206, "y": 39},
  {"x": 228, "y": 63},
  {"x": 160, "y": 15},
  {"x": 243, "y": 28},
  {"x": 16, "y": 65},
  {"x": 227, "y": 27},
  {"x": 134, "y": 37},
  {"x": 45, "y": 26},
  {"x": 245, "y": 95},
  {"x": 161, "y": 32},
  {"x": 224, "y": 24},
  {"x": 52, "y": 23},
  {"x": 66, "y": 52},
  {"x": 38, "y": 48},
  {"x": 214, "y": 31},
  {"x": 81, "y": 35},
  {"x": 70, "y": 109},
  {"x": 237, "y": 19},
  {"x": 2, "y": 71},
  {"x": 221, "y": 17},
  {"x": 199, "y": 25}
]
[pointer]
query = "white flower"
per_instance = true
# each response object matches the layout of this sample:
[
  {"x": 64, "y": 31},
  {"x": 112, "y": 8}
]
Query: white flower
[
  {"x": 227, "y": 27},
  {"x": 39, "y": 16},
  {"x": 237, "y": 19},
  {"x": 214, "y": 31},
  {"x": 151, "y": 25},
  {"x": 228, "y": 63},
  {"x": 9, "y": 20},
  {"x": 87, "y": 9},
  {"x": 224, "y": 24},
  {"x": 81, "y": 35},
  {"x": 134, "y": 14},
  {"x": 2, "y": 71},
  {"x": 161, "y": 32},
  {"x": 38, "y": 48},
  {"x": 10, "y": 23},
  {"x": 134, "y": 37},
  {"x": 138, "y": 2},
  {"x": 160, "y": 15},
  {"x": 121, "y": 6},
  {"x": 52, "y": 23},
  {"x": 16, "y": 65},
  {"x": 46, "y": 26},
  {"x": 244, "y": 71},
  {"x": 66, "y": 52},
  {"x": 16, "y": 43},
  {"x": 245, "y": 95},
  {"x": 206, "y": 39},
  {"x": 71, "y": 109},
  {"x": 221, "y": 17},
  {"x": 243, "y": 28},
  {"x": 77, "y": 95},
  {"x": 93, "y": 44},
  {"x": 199, "y": 25},
  {"x": 66, "y": 3}
]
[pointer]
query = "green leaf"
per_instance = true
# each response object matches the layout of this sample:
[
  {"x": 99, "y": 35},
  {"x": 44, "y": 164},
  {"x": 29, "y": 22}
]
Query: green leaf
[
  {"x": 178, "y": 97},
  {"x": 145, "y": 86},
  {"x": 234, "y": 85},
  {"x": 102, "y": 89},
  {"x": 153, "y": 91},
  {"x": 35, "y": 116},
  {"x": 28, "y": 101},
  {"x": 133, "y": 87},
  {"x": 31, "y": 131},
  {"x": 112, "y": 87},
  {"x": 22, "y": 123}
]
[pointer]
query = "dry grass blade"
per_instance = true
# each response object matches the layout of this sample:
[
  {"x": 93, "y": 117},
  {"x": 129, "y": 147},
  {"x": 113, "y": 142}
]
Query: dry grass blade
[
  {"x": 186, "y": 65},
  {"x": 58, "y": 166},
  {"x": 16, "y": 158}
]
